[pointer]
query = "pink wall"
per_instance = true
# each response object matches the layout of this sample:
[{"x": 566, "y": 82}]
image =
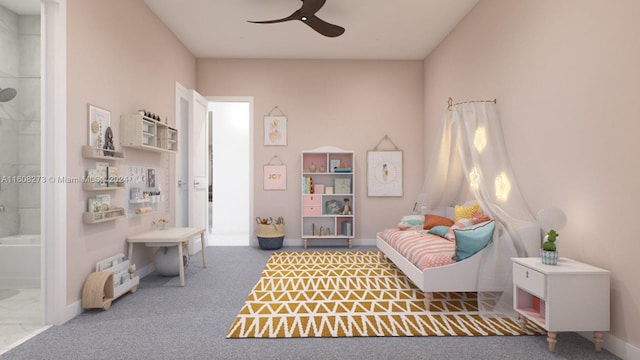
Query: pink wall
[
  {"x": 566, "y": 77},
  {"x": 120, "y": 58},
  {"x": 347, "y": 104}
]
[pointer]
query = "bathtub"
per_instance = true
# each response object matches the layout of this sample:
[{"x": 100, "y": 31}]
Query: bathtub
[{"x": 20, "y": 262}]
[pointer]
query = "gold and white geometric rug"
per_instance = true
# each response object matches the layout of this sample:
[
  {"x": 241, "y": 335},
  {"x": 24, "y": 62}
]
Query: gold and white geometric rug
[{"x": 355, "y": 293}]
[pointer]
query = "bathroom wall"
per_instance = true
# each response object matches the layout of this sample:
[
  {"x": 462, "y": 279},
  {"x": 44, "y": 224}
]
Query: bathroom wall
[
  {"x": 9, "y": 71},
  {"x": 20, "y": 123},
  {"x": 28, "y": 100}
]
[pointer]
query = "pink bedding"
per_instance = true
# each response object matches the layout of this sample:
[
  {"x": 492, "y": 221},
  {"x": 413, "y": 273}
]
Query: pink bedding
[{"x": 421, "y": 249}]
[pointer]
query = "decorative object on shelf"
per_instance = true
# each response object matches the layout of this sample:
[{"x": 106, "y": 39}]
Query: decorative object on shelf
[
  {"x": 333, "y": 207},
  {"x": 384, "y": 171},
  {"x": 109, "y": 147},
  {"x": 99, "y": 121},
  {"x": 275, "y": 175},
  {"x": 151, "y": 178},
  {"x": 549, "y": 252},
  {"x": 342, "y": 185},
  {"x": 163, "y": 224},
  {"x": 346, "y": 208},
  {"x": 551, "y": 220},
  {"x": 275, "y": 129},
  {"x": 270, "y": 233}
]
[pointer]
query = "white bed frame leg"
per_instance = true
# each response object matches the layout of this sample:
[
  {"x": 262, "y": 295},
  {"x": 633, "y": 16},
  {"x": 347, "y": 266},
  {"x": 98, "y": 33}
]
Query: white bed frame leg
[{"x": 427, "y": 300}]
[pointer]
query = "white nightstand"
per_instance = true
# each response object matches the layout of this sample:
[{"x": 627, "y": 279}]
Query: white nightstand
[{"x": 569, "y": 296}]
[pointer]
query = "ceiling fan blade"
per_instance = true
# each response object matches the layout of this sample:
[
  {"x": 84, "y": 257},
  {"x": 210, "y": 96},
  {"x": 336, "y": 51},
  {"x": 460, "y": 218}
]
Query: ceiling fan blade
[
  {"x": 310, "y": 7},
  {"x": 294, "y": 16},
  {"x": 323, "y": 27}
]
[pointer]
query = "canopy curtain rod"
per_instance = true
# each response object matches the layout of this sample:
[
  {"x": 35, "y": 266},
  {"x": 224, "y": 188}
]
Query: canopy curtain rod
[{"x": 451, "y": 104}]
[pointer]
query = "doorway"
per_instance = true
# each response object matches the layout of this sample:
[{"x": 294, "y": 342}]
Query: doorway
[{"x": 231, "y": 169}]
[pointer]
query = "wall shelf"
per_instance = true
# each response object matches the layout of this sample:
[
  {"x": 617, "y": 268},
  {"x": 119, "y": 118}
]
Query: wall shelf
[
  {"x": 89, "y": 152},
  {"x": 102, "y": 216},
  {"x": 141, "y": 132}
]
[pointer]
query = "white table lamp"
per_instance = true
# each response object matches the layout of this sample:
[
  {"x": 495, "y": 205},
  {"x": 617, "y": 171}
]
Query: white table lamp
[{"x": 551, "y": 218}]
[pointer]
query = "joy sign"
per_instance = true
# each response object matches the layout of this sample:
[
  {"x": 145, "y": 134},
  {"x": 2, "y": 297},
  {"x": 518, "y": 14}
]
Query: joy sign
[{"x": 275, "y": 177}]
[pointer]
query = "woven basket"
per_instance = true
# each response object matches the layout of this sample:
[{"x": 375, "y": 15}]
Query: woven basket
[{"x": 271, "y": 230}]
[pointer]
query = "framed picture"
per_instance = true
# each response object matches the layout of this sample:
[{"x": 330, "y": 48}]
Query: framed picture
[
  {"x": 275, "y": 130},
  {"x": 275, "y": 177},
  {"x": 384, "y": 173},
  {"x": 99, "y": 123}
]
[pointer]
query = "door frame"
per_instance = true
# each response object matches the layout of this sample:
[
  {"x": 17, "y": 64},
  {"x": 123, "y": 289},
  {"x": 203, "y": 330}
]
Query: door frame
[
  {"x": 53, "y": 164},
  {"x": 182, "y": 93}
]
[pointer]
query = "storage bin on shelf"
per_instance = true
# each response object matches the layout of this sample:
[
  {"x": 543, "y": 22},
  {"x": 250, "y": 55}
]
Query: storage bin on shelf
[{"x": 270, "y": 233}]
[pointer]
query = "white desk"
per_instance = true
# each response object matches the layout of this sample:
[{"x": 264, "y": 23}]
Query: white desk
[{"x": 175, "y": 236}]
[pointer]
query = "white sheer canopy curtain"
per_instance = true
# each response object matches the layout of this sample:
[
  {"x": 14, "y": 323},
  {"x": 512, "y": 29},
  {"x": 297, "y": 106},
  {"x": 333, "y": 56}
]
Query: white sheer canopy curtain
[{"x": 469, "y": 161}]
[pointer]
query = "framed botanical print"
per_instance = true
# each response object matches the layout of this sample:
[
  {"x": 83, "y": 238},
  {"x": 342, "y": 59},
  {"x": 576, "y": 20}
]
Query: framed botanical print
[
  {"x": 275, "y": 130},
  {"x": 384, "y": 173}
]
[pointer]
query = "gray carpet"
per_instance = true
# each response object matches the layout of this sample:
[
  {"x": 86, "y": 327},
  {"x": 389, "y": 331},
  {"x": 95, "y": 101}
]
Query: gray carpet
[{"x": 164, "y": 321}]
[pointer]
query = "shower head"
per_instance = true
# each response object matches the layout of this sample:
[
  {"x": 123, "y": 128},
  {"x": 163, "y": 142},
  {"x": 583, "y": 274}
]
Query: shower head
[{"x": 7, "y": 94}]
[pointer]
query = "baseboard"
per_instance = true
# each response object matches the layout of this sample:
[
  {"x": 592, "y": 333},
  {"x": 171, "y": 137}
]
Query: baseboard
[
  {"x": 616, "y": 346},
  {"x": 74, "y": 309}
]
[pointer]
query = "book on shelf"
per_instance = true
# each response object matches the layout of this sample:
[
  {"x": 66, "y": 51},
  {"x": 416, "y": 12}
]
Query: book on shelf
[
  {"x": 105, "y": 202},
  {"x": 102, "y": 168},
  {"x": 112, "y": 176},
  {"x": 342, "y": 185},
  {"x": 93, "y": 176},
  {"x": 307, "y": 185}
]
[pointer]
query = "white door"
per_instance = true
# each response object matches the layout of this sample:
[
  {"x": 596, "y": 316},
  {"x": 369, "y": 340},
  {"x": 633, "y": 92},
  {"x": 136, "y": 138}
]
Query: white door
[
  {"x": 191, "y": 162},
  {"x": 198, "y": 183}
]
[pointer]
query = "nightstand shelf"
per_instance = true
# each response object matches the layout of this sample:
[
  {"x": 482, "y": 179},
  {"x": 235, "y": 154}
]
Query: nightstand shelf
[{"x": 569, "y": 296}]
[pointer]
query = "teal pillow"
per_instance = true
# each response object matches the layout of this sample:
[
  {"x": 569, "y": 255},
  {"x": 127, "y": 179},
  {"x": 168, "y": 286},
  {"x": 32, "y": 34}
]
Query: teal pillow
[
  {"x": 470, "y": 240},
  {"x": 439, "y": 230},
  {"x": 412, "y": 220}
]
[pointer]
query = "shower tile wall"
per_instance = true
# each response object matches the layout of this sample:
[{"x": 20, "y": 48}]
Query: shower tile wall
[{"x": 20, "y": 122}]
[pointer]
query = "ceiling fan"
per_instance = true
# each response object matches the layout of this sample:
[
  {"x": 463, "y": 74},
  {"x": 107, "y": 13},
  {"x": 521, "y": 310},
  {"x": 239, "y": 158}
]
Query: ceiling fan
[{"x": 307, "y": 14}]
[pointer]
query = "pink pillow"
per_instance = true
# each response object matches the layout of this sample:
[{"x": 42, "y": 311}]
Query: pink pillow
[{"x": 460, "y": 224}]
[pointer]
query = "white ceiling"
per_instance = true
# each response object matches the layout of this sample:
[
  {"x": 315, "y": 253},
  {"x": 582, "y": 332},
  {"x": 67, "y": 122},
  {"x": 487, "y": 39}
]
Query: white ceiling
[{"x": 375, "y": 29}]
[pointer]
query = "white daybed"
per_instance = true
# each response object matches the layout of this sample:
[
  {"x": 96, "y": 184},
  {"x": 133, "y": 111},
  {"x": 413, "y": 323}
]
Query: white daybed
[{"x": 460, "y": 276}]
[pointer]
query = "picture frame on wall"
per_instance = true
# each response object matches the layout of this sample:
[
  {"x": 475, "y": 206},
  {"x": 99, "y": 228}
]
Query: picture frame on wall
[
  {"x": 384, "y": 173},
  {"x": 275, "y": 177},
  {"x": 99, "y": 122},
  {"x": 275, "y": 130}
]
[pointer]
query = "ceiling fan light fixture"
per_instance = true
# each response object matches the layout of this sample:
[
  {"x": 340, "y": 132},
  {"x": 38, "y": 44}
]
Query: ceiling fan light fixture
[{"x": 307, "y": 14}]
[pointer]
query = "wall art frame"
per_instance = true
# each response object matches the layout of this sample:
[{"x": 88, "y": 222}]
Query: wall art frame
[
  {"x": 275, "y": 128},
  {"x": 99, "y": 122},
  {"x": 274, "y": 175},
  {"x": 385, "y": 172}
]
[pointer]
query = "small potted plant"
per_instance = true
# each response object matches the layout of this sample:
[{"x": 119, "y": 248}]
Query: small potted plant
[{"x": 549, "y": 252}]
